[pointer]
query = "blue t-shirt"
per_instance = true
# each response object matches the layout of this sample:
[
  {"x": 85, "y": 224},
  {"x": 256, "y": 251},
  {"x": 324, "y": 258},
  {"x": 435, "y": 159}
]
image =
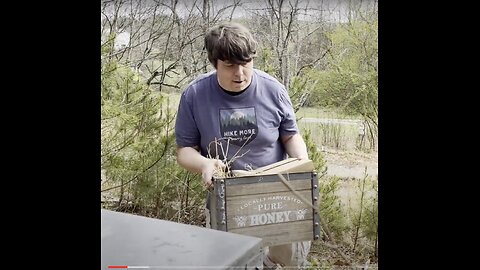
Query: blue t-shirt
[{"x": 247, "y": 127}]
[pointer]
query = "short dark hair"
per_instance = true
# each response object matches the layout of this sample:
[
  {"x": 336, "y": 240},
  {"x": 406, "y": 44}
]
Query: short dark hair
[{"x": 230, "y": 41}]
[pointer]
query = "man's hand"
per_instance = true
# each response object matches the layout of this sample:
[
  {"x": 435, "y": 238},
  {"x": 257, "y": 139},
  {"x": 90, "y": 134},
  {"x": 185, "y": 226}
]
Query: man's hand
[
  {"x": 191, "y": 159},
  {"x": 208, "y": 168}
]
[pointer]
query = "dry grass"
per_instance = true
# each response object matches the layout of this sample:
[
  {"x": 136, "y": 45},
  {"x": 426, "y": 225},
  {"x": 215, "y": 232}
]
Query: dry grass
[{"x": 221, "y": 153}]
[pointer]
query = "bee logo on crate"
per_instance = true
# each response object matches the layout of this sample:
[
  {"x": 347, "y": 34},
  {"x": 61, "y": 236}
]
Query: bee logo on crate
[
  {"x": 301, "y": 214},
  {"x": 240, "y": 220}
]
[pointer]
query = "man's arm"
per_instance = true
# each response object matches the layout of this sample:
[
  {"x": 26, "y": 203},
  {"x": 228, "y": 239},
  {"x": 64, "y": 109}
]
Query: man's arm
[
  {"x": 295, "y": 146},
  {"x": 192, "y": 160}
]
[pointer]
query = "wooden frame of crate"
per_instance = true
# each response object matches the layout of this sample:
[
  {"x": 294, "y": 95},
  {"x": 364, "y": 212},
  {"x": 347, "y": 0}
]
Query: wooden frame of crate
[{"x": 264, "y": 206}]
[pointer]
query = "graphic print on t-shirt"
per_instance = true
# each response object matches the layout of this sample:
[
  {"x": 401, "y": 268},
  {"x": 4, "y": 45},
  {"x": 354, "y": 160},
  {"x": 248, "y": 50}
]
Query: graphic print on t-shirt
[{"x": 240, "y": 125}]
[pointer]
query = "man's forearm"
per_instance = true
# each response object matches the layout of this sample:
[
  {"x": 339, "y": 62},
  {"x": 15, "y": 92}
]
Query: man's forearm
[
  {"x": 295, "y": 146},
  {"x": 190, "y": 159}
]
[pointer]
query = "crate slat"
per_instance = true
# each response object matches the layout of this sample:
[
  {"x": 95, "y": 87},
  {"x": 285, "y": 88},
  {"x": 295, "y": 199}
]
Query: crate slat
[
  {"x": 277, "y": 234},
  {"x": 260, "y": 188},
  {"x": 232, "y": 222}
]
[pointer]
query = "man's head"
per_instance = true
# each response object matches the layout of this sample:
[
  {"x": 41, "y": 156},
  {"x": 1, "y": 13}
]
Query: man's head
[
  {"x": 231, "y": 49},
  {"x": 230, "y": 42}
]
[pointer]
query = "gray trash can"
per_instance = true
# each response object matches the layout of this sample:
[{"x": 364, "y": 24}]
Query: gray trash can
[{"x": 131, "y": 241}]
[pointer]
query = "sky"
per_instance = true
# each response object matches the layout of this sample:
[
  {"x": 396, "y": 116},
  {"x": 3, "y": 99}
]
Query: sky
[{"x": 333, "y": 10}]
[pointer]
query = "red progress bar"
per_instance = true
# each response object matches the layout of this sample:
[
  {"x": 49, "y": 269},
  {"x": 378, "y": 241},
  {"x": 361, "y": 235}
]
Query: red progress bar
[{"x": 117, "y": 266}]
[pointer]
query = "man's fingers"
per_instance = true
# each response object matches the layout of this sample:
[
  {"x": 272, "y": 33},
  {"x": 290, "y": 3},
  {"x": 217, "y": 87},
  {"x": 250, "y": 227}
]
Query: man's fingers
[
  {"x": 219, "y": 164},
  {"x": 207, "y": 178},
  {"x": 209, "y": 169}
]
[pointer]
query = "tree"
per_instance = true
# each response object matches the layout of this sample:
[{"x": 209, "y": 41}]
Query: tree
[
  {"x": 162, "y": 52},
  {"x": 352, "y": 82}
]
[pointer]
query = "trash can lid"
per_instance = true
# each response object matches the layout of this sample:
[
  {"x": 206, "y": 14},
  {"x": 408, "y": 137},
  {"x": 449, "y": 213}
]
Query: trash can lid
[{"x": 131, "y": 240}]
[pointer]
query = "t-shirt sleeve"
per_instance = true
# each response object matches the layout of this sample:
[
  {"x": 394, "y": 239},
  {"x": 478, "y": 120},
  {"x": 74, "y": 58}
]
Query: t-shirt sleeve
[
  {"x": 186, "y": 130},
  {"x": 288, "y": 124}
]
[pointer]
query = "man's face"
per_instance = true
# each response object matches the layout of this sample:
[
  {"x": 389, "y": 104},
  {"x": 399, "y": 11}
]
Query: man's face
[{"x": 234, "y": 77}]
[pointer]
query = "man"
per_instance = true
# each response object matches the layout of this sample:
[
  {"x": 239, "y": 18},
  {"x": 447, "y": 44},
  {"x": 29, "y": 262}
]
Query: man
[{"x": 238, "y": 117}]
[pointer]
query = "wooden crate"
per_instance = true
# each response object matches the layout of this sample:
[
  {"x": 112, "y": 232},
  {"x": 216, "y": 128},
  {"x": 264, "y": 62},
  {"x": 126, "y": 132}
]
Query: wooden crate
[{"x": 261, "y": 204}]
